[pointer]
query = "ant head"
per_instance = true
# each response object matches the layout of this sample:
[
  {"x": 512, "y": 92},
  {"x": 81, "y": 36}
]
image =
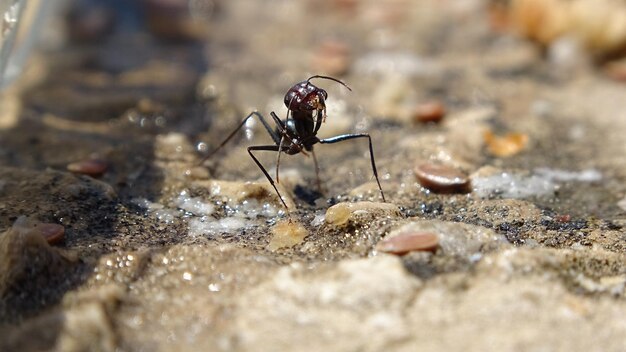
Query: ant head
[{"x": 305, "y": 96}]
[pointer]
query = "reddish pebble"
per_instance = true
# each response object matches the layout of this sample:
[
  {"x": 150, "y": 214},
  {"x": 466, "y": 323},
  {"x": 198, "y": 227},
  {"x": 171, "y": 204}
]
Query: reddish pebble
[
  {"x": 91, "y": 167},
  {"x": 563, "y": 218},
  {"x": 53, "y": 233},
  {"x": 409, "y": 242},
  {"x": 429, "y": 112},
  {"x": 442, "y": 179},
  {"x": 331, "y": 57}
]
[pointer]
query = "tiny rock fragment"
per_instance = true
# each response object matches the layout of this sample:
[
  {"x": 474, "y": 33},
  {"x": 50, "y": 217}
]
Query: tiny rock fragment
[
  {"x": 427, "y": 112},
  {"x": 92, "y": 167},
  {"x": 332, "y": 57},
  {"x": 563, "y": 218},
  {"x": 507, "y": 145},
  {"x": 340, "y": 214},
  {"x": 409, "y": 242},
  {"x": 442, "y": 179},
  {"x": 53, "y": 233},
  {"x": 286, "y": 234}
]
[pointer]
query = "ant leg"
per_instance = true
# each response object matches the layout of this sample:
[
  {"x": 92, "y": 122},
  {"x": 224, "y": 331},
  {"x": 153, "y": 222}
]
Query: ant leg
[
  {"x": 284, "y": 134},
  {"x": 280, "y": 123},
  {"x": 317, "y": 172},
  {"x": 273, "y": 148},
  {"x": 271, "y": 132},
  {"x": 345, "y": 137},
  {"x": 280, "y": 148}
]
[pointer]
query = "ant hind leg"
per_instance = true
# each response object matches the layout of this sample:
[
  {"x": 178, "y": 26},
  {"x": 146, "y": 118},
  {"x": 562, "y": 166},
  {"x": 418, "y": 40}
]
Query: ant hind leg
[
  {"x": 273, "y": 148},
  {"x": 345, "y": 137},
  {"x": 275, "y": 137}
]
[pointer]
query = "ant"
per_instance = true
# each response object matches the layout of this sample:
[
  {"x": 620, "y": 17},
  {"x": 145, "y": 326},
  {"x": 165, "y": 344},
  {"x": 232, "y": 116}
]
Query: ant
[{"x": 298, "y": 134}]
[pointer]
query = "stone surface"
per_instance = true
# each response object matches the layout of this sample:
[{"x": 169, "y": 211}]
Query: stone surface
[
  {"x": 408, "y": 242},
  {"x": 324, "y": 304}
]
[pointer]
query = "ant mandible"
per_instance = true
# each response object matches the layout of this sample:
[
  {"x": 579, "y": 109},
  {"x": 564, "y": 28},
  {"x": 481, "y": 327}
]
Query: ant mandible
[{"x": 298, "y": 134}]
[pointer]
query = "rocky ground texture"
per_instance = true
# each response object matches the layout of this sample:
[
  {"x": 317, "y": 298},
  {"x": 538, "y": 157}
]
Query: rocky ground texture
[{"x": 502, "y": 160}]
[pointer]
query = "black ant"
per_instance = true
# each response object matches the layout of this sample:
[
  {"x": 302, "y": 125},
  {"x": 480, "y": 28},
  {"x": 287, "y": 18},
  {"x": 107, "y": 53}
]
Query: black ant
[{"x": 298, "y": 134}]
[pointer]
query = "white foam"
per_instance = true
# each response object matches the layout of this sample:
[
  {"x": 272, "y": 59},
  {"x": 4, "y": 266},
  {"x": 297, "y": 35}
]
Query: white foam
[
  {"x": 209, "y": 226},
  {"x": 544, "y": 181},
  {"x": 193, "y": 205}
]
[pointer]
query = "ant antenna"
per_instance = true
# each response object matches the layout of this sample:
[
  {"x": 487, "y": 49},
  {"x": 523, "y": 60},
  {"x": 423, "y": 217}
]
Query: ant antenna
[{"x": 329, "y": 78}]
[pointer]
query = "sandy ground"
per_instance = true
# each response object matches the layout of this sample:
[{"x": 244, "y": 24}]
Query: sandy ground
[{"x": 163, "y": 253}]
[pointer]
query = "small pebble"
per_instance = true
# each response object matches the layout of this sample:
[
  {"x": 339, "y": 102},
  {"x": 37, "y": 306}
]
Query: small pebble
[
  {"x": 340, "y": 214},
  {"x": 53, "y": 233},
  {"x": 563, "y": 218},
  {"x": 286, "y": 234},
  {"x": 409, "y": 242},
  {"x": 91, "y": 167},
  {"x": 331, "y": 57},
  {"x": 172, "y": 20},
  {"x": 442, "y": 179},
  {"x": 507, "y": 145},
  {"x": 432, "y": 111}
]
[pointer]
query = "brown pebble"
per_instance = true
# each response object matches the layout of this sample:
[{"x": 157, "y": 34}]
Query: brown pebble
[
  {"x": 563, "y": 218},
  {"x": 172, "y": 20},
  {"x": 331, "y": 57},
  {"x": 442, "y": 179},
  {"x": 409, "y": 242},
  {"x": 91, "y": 167},
  {"x": 53, "y": 233},
  {"x": 432, "y": 111}
]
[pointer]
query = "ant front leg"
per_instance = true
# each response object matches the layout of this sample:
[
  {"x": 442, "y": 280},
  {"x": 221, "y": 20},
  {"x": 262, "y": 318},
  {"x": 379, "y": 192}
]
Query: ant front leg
[
  {"x": 275, "y": 137},
  {"x": 345, "y": 137},
  {"x": 317, "y": 172},
  {"x": 272, "y": 148}
]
